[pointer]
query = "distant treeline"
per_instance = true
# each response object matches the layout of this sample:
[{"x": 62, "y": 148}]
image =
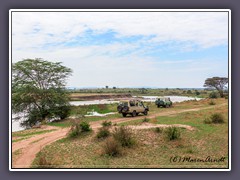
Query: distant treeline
[{"x": 199, "y": 92}]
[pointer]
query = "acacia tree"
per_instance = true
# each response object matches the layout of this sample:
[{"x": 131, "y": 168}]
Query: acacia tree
[
  {"x": 219, "y": 83},
  {"x": 38, "y": 90}
]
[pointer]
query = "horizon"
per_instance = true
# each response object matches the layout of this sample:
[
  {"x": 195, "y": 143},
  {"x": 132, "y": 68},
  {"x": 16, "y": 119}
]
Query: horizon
[{"x": 126, "y": 49}]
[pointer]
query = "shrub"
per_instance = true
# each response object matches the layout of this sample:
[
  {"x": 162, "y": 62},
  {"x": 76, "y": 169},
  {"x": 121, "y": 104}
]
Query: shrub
[
  {"x": 173, "y": 133},
  {"x": 78, "y": 128},
  {"x": 158, "y": 130},
  {"x": 213, "y": 95},
  {"x": 103, "y": 133},
  {"x": 85, "y": 126},
  {"x": 197, "y": 93},
  {"x": 207, "y": 121},
  {"x": 75, "y": 129},
  {"x": 217, "y": 118},
  {"x": 124, "y": 136},
  {"x": 145, "y": 120},
  {"x": 111, "y": 147},
  {"x": 106, "y": 123},
  {"x": 63, "y": 112},
  {"x": 212, "y": 102}
]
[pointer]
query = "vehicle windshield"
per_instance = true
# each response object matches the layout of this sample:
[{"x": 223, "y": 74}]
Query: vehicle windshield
[{"x": 123, "y": 103}]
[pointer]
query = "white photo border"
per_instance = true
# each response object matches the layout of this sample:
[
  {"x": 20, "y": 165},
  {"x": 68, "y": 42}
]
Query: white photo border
[{"x": 120, "y": 10}]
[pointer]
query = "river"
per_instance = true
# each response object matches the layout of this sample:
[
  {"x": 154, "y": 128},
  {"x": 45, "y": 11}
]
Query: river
[{"x": 16, "y": 124}]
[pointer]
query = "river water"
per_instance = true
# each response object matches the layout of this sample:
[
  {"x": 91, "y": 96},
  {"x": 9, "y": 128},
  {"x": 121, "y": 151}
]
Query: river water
[{"x": 16, "y": 124}]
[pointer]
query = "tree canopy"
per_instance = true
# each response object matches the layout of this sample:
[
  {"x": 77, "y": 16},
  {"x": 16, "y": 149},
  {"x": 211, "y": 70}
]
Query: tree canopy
[
  {"x": 219, "y": 83},
  {"x": 38, "y": 89}
]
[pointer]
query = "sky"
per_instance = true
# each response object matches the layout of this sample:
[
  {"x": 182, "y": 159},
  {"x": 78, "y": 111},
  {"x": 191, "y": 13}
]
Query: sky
[{"x": 126, "y": 49}]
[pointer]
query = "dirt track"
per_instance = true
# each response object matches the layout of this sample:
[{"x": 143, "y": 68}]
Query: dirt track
[{"x": 30, "y": 147}]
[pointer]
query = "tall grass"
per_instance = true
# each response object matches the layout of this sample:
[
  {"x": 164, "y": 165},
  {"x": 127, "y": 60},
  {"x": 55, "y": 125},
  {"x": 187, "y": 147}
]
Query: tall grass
[
  {"x": 173, "y": 133},
  {"x": 124, "y": 136}
]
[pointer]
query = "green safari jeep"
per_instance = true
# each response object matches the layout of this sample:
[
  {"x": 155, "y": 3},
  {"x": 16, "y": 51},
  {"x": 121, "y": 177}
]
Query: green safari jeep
[{"x": 163, "y": 102}]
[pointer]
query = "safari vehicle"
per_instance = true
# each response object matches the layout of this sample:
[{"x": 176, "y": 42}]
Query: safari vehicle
[
  {"x": 163, "y": 102},
  {"x": 132, "y": 107}
]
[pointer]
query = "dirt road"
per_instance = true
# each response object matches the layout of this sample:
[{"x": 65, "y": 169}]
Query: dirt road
[{"x": 31, "y": 146}]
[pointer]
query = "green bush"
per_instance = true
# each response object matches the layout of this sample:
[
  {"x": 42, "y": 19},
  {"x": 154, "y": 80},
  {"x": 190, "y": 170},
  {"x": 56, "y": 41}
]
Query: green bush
[
  {"x": 103, "y": 133},
  {"x": 78, "y": 128},
  {"x": 106, "y": 123},
  {"x": 145, "y": 120},
  {"x": 217, "y": 118},
  {"x": 85, "y": 126},
  {"x": 111, "y": 147},
  {"x": 173, "y": 133},
  {"x": 158, "y": 130},
  {"x": 124, "y": 136},
  {"x": 213, "y": 95},
  {"x": 63, "y": 112},
  {"x": 207, "y": 121},
  {"x": 75, "y": 130}
]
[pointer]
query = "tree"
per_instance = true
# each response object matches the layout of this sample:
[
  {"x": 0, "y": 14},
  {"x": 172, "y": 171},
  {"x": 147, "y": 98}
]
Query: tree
[
  {"x": 219, "y": 83},
  {"x": 38, "y": 90}
]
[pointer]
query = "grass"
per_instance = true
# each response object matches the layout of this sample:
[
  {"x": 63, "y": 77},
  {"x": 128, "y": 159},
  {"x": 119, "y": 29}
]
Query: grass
[
  {"x": 152, "y": 149},
  {"x": 103, "y": 132},
  {"x": 20, "y": 139},
  {"x": 16, "y": 154},
  {"x": 31, "y": 132},
  {"x": 100, "y": 108},
  {"x": 153, "y": 109},
  {"x": 37, "y": 140},
  {"x": 26, "y": 134}
]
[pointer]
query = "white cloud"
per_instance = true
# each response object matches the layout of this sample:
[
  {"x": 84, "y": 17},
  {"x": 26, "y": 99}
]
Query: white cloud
[
  {"x": 100, "y": 65},
  {"x": 203, "y": 28}
]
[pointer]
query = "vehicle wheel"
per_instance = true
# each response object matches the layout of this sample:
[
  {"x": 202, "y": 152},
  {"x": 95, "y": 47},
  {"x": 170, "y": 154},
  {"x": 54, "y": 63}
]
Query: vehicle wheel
[
  {"x": 145, "y": 112},
  {"x": 124, "y": 115},
  {"x": 134, "y": 113},
  {"x": 158, "y": 106},
  {"x": 137, "y": 114}
]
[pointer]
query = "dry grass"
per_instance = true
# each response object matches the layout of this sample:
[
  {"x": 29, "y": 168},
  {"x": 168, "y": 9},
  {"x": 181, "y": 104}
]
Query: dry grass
[{"x": 152, "y": 150}]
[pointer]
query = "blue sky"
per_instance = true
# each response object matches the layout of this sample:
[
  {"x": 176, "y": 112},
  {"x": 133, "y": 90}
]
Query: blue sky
[{"x": 156, "y": 49}]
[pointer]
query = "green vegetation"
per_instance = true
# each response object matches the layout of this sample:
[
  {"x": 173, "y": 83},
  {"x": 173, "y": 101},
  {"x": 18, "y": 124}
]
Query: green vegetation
[
  {"x": 217, "y": 118},
  {"x": 124, "y": 136},
  {"x": 111, "y": 148},
  {"x": 212, "y": 102},
  {"x": 78, "y": 128},
  {"x": 38, "y": 88},
  {"x": 213, "y": 95},
  {"x": 153, "y": 149},
  {"x": 172, "y": 133},
  {"x": 146, "y": 120},
  {"x": 103, "y": 132},
  {"x": 30, "y": 133},
  {"x": 106, "y": 123},
  {"x": 100, "y": 108},
  {"x": 158, "y": 130},
  {"x": 218, "y": 83},
  {"x": 202, "y": 93}
]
